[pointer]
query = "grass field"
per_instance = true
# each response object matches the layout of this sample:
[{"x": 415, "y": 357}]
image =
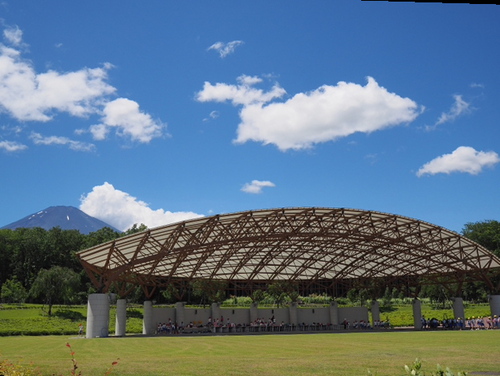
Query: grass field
[{"x": 384, "y": 353}]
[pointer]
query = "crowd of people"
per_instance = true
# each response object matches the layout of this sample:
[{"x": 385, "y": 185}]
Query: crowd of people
[
  {"x": 271, "y": 325},
  {"x": 471, "y": 323},
  {"x": 219, "y": 325}
]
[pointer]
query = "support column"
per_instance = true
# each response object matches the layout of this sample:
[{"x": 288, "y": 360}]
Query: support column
[
  {"x": 334, "y": 313},
  {"x": 375, "y": 312},
  {"x": 458, "y": 308},
  {"x": 121, "y": 317},
  {"x": 180, "y": 313},
  {"x": 293, "y": 313},
  {"x": 417, "y": 314},
  {"x": 254, "y": 312},
  {"x": 148, "y": 326},
  {"x": 97, "y": 316},
  {"x": 494, "y": 304}
]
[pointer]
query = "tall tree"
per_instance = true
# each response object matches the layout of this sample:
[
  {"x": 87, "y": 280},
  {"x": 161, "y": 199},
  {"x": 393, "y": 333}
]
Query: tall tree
[
  {"x": 135, "y": 228},
  {"x": 486, "y": 233},
  {"x": 281, "y": 290},
  {"x": 210, "y": 291},
  {"x": 13, "y": 292},
  {"x": 100, "y": 236},
  {"x": 55, "y": 285}
]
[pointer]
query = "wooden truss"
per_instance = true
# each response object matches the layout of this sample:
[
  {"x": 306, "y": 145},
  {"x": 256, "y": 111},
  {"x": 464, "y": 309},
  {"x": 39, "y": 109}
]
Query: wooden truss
[{"x": 305, "y": 245}]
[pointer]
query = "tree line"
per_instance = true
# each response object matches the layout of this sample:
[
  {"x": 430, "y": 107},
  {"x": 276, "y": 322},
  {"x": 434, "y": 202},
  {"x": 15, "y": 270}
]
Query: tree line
[
  {"x": 41, "y": 266},
  {"x": 38, "y": 265}
]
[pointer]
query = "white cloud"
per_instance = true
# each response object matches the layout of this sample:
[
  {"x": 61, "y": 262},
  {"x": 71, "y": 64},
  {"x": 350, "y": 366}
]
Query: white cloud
[
  {"x": 241, "y": 94},
  {"x": 122, "y": 210},
  {"x": 38, "y": 139},
  {"x": 256, "y": 186},
  {"x": 12, "y": 146},
  {"x": 477, "y": 85},
  {"x": 30, "y": 96},
  {"x": 459, "y": 107},
  {"x": 13, "y": 35},
  {"x": 125, "y": 115},
  {"x": 322, "y": 115},
  {"x": 225, "y": 49},
  {"x": 213, "y": 115},
  {"x": 463, "y": 159}
]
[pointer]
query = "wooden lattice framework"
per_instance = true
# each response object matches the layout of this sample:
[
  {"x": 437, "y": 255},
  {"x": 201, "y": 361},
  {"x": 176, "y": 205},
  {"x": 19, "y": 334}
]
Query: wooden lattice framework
[{"x": 320, "y": 246}]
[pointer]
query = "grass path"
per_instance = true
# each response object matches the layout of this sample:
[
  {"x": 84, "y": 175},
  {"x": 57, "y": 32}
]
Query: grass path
[{"x": 384, "y": 353}]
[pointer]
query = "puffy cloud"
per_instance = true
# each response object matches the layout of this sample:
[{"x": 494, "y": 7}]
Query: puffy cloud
[
  {"x": 125, "y": 115},
  {"x": 256, "y": 186},
  {"x": 30, "y": 96},
  {"x": 241, "y": 94},
  {"x": 463, "y": 159},
  {"x": 225, "y": 49},
  {"x": 12, "y": 146},
  {"x": 325, "y": 114},
  {"x": 122, "y": 210},
  {"x": 38, "y": 139}
]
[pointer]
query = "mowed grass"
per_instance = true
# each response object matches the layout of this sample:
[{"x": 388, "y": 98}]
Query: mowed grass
[{"x": 384, "y": 353}]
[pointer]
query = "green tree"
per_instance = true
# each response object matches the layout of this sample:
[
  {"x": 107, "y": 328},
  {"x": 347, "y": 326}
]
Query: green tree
[
  {"x": 29, "y": 254},
  {"x": 209, "y": 290},
  {"x": 60, "y": 247},
  {"x": 100, "y": 236},
  {"x": 280, "y": 291},
  {"x": 13, "y": 292},
  {"x": 6, "y": 254},
  {"x": 135, "y": 228},
  {"x": 258, "y": 296},
  {"x": 387, "y": 299},
  {"x": 55, "y": 285},
  {"x": 171, "y": 293},
  {"x": 486, "y": 233}
]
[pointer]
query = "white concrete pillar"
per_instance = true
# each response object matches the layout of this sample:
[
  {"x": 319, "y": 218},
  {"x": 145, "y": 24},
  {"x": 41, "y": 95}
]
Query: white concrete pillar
[
  {"x": 97, "y": 316},
  {"x": 417, "y": 314},
  {"x": 148, "y": 326},
  {"x": 254, "y": 312},
  {"x": 121, "y": 317},
  {"x": 293, "y": 313},
  {"x": 180, "y": 313},
  {"x": 215, "y": 311},
  {"x": 458, "y": 308},
  {"x": 494, "y": 304},
  {"x": 375, "y": 311},
  {"x": 334, "y": 313}
]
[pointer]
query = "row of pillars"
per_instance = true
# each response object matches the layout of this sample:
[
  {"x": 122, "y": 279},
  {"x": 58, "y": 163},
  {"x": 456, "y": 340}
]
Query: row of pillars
[{"x": 99, "y": 305}]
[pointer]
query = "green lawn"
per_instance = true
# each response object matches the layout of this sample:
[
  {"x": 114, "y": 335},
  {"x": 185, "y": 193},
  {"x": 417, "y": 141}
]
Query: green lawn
[{"x": 384, "y": 353}]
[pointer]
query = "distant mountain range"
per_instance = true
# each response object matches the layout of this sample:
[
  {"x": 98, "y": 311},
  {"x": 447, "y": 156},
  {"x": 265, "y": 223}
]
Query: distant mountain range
[{"x": 65, "y": 217}]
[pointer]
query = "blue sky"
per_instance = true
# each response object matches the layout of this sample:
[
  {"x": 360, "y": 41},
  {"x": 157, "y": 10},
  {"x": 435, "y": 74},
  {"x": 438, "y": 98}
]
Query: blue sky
[{"x": 158, "y": 111}]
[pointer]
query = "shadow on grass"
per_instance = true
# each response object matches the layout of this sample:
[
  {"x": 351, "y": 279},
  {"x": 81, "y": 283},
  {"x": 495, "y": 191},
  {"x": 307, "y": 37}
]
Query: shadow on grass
[
  {"x": 385, "y": 309},
  {"x": 134, "y": 313},
  {"x": 69, "y": 315}
]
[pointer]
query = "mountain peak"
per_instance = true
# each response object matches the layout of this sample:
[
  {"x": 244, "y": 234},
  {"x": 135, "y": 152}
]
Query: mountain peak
[{"x": 65, "y": 217}]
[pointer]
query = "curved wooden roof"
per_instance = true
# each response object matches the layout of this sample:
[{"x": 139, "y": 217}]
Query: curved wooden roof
[{"x": 293, "y": 244}]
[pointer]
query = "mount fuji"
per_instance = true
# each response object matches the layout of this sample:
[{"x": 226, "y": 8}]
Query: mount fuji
[{"x": 65, "y": 217}]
